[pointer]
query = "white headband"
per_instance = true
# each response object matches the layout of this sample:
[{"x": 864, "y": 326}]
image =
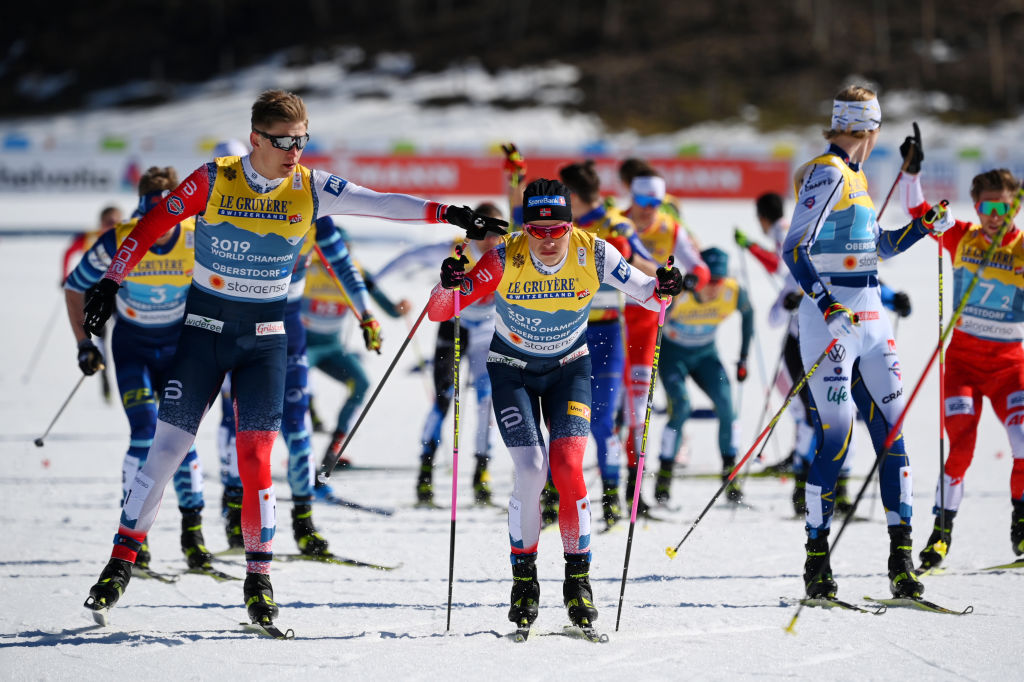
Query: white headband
[{"x": 850, "y": 116}]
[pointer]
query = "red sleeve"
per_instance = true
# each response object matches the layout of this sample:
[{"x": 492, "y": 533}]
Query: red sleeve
[
  {"x": 951, "y": 237},
  {"x": 187, "y": 200},
  {"x": 77, "y": 245},
  {"x": 622, "y": 244},
  {"x": 769, "y": 259},
  {"x": 481, "y": 281},
  {"x": 703, "y": 275}
]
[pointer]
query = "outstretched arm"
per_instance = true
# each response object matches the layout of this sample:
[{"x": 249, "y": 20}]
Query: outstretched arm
[{"x": 482, "y": 280}]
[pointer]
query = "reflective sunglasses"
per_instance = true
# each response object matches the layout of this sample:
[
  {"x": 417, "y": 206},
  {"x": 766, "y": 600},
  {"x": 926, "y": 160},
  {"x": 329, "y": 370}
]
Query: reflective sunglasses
[
  {"x": 992, "y": 207},
  {"x": 285, "y": 142},
  {"x": 646, "y": 201},
  {"x": 554, "y": 232}
]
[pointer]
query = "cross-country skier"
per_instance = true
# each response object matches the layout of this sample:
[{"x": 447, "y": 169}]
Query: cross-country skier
[
  {"x": 544, "y": 280},
  {"x": 150, "y": 312},
  {"x": 689, "y": 350},
  {"x": 254, "y": 212},
  {"x": 832, "y": 249},
  {"x": 985, "y": 357},
  {"x": 476, "y": 327}
]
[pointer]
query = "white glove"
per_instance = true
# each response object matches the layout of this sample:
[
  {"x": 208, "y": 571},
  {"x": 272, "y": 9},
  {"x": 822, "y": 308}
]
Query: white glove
[
  {"x": 939, "y": 218},
  {"x": 840, "y": 322}
]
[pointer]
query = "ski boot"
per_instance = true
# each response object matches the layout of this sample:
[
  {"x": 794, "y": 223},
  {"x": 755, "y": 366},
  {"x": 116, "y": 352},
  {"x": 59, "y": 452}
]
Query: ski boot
[
  {"x": 309, "y": 540},
  {"x": 938, "y": 542},
  {"x": 1017, "y": 527},
  {"x": 576, "y": 593},
  {"x": 143, "y": 556},
  {"x": 800, "y": 493},
  {"x": 259, "y": 598},
  {"x": 642, "y": 508},
  {"x": 549, "y": 505},
  {"x": 111, "y": 585},
  {"x": 481, "y": 480},
  {"x": 610, "y": 507},
  {"x": 331, "y": 453},
  {"x": 843, "y": 502},
  {"x": 733, "y": 492},
  {"x": 196, "y": 554},
  {"x": 784, "y": 466},
  {"x": 663, "y": 483},
  {"x": 231, "y": 510},
  {"x": 902, "y": 580},
  {"x": 525, "y": 597},
  {"x": 818, "y": 581},
  {"x": 424, "y": 482}
]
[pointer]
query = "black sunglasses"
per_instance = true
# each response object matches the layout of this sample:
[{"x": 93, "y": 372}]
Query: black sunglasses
[{"x": 285, "y": 142}]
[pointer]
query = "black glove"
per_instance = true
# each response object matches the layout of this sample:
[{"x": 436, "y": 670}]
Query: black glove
[
  {"x": 670, "y": 282},
  {"x": 90, "y": 359},
  {"x": 901, "y": 303},
  {"x": 741, "y": 370},
  {"x": 99, "y": 305},
  {"x": 475, "y": 224},
  {"x": 792, "y": 300},
  {"x": 912, "y": 152},
  {"x": 453, "y": 271},
  {"x": 690, "y": 282}
]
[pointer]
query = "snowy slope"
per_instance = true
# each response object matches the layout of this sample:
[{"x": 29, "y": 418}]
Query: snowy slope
[{"x": 718, "y": 611}]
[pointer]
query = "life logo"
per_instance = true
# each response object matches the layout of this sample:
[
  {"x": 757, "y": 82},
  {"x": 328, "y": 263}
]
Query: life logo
[
  {"x": 837, "y": 354},
  {"x": 621, "y": 272}
]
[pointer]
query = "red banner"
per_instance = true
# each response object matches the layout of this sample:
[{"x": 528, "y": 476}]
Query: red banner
[{"x": 459, "y": 175}]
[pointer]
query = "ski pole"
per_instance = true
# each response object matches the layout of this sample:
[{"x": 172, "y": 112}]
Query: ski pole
[
  {"x": 455, "y": 446},
  {"x": 330, "y": 460},
  {"x": 940, "y": 545},
  {"x": 337, "y": 280},
  {"x": 903, "y": 168},
  {"x": 771, "y": 386},
  {"x": 897, "y": 426},
  {"x": 39, "y": 441},
  {"x": 41, "y": 343},
  {"x": 767, "y": 429},
  {"x": 643, "y": 452}
]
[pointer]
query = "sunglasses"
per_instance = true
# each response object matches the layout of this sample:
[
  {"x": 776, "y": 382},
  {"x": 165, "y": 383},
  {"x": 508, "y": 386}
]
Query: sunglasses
[
  {"x": 992, "y": 207},
  {"x": 554, "y": 232},
  {"x": 645, "y": 201},
  {"x": 285, "y": 142}
]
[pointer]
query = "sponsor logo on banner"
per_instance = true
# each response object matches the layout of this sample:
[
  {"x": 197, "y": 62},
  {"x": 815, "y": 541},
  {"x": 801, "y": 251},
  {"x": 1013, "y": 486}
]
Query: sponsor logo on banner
[
  {"x": 838, "y": 353},
  {"x": 269, "y": 328},
  {"x": 578, "y": 410},
  {"x": 959, "y": 404},
  {"x": 1015, "y": 399},
  {"x": 200, "y": 322}
]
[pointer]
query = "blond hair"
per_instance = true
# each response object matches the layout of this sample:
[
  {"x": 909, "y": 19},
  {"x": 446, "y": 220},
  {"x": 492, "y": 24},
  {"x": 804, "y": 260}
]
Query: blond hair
[
  {"x": 278, "y": 106},
  {"x": 851, "y": 93}
]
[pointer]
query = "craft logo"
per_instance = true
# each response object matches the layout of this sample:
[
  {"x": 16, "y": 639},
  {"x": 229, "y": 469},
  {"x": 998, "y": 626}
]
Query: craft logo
[
  {"x": 892, "y": 396},
  {"x": 837, "y": 354},
  {"x": 578, "y": 410}
]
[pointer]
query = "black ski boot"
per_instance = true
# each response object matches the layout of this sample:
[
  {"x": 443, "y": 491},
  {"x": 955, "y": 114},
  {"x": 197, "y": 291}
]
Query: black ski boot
[
  {"x": 663, "y": 483},
  {"x": 610, "y": 507},
  {"x": 425, "y": 481},
  {"x": 642, "y": 508},
  {"x": 549, "y": 505},
  {"x": 110, "y": 586},
  {"x": 309, "y": 540},
  {"x": 143, "y": 556},
  {"x": 231, "y": 510},
  {"x": 903, "y": 581},
  {"x": 1017, "y": 527},
  {"x": 733, "y": 492},
  {"x": 800, "y": 493},
  {"x": 576, "y": 593},
  {"x": 818, "y": 581},
  {"x": 938, "y": 542},
  {"x": 525, "y": 590},
  {"x": 843, "y": 502},
  {"x": 192, "y": 543},
  {"x": 482, "y": 480},
  {"x": 259, "y": 598}
]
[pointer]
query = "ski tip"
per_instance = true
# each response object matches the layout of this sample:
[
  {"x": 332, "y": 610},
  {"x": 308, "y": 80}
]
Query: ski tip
[{"x": 671, "y": 552}]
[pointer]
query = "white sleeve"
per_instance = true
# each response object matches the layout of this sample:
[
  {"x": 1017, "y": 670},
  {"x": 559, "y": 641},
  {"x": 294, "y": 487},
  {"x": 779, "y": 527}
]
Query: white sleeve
[
  {"x": 613, "y": 269},
  {"x": 336, "y": 196},
  {"x": 687, "y": 258},
  {"x": 912, "y": 194},
  {"x": 417, "y": 257}
]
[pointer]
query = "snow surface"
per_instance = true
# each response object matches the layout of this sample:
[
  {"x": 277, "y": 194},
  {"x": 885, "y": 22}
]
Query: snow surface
[{"x": 718, "y": 611}]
